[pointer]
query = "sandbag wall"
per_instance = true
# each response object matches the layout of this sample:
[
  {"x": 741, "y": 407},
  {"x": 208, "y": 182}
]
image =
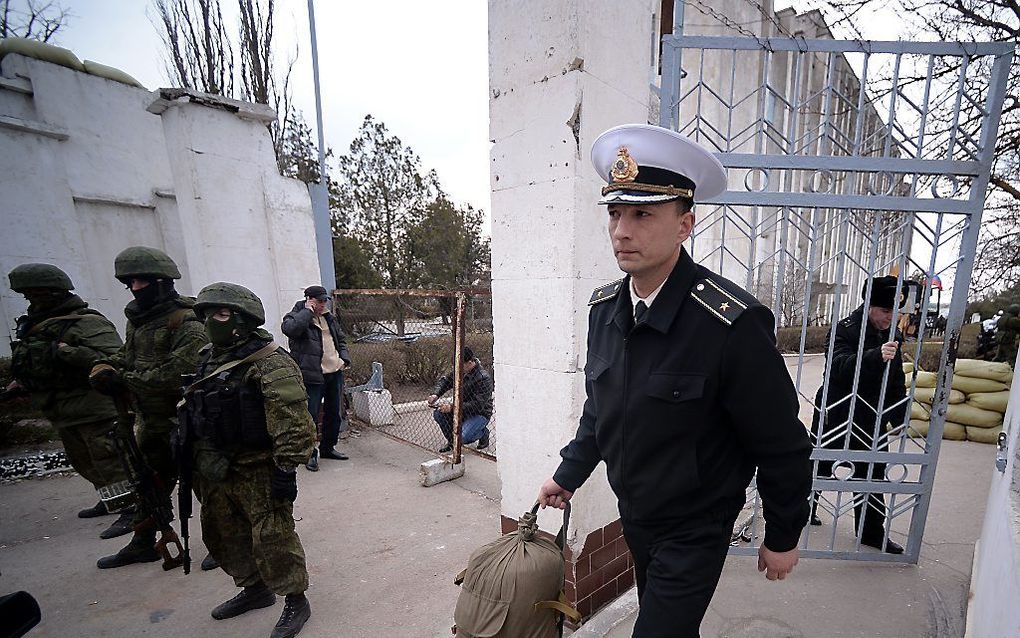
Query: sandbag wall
[{"x": 977, "y": 401}]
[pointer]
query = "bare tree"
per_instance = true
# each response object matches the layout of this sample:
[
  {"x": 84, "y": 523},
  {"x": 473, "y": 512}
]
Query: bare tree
[
  {"x": 998, "y": 260},
  {"x": 200, "y": 55},
  {"x": 35, "y": 20}
]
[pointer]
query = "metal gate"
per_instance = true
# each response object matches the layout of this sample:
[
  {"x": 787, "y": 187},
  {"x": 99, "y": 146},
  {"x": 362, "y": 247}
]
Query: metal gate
[{"x": 846, "y": 160}]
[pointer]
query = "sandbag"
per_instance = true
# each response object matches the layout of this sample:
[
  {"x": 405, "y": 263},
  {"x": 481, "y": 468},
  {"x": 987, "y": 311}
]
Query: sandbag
[
  {"x": 951, "y": 432},
  {"x": 925, "y": 379},
  {"x": 919, "y": 412},
  {"x": 40, "y": 51},
  {"x": 979, "y": 369},
  {"x": 110, "y": 73},
  {"x": 994, "y": 401},
  {"x": 927, "y": 395},
  {"x": 970, "y": 385},
  {"x": 984, "y": 435},
  {"x": 975, "y": 417},
  {"x": 908, "y": 367}
]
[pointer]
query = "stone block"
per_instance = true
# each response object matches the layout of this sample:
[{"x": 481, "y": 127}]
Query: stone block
[
  {"x": 439, "y": 471},
  {"x": 374, "y": 407}
]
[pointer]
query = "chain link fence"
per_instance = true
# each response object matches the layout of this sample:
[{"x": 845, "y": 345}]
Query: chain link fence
[{"x": 402, "y": 345}]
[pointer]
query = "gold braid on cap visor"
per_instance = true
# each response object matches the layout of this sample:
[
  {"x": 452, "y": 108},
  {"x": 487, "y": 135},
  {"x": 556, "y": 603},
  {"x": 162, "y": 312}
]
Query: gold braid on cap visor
[{"x": 648, "y": 188}]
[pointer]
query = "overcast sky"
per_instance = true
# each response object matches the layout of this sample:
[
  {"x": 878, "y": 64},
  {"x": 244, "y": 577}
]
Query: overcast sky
[{"x": 420, "y": 67}]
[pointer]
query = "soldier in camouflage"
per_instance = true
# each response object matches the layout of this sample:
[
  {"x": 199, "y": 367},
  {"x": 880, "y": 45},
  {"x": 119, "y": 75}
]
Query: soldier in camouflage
[
  {"x": 162, "y": 343},
  {"x": 58, "y": 341},
  {"x": 247, "y": 414},
  {"x": 1008, "y": 327}
]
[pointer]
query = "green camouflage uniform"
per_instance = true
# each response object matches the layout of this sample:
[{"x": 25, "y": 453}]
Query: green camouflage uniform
[
  {"x": 57, "y": 378},
  {"x": 161, "y": 346},
  {"x": 1007, "y": 329},
  {"x": 250, "y": 532}
]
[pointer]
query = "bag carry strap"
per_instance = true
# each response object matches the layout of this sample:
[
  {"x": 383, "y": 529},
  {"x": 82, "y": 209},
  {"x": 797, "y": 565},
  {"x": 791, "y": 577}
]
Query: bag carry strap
[
  {"x": 258, "y": 355},
  {"x": 562, "y": 606},
  {"x": 52, "y": 320},
  {"x": 561, "y": 537}
]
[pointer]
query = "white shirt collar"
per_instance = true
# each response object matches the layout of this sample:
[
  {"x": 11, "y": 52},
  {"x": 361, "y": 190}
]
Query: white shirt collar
[{"x": 635, "y": 298}]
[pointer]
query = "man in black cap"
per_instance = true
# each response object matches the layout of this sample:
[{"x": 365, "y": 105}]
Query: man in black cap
[
  {"x": 686, "y": 393},
  {"x": 855, "y": 424},
  {"x": 318, "y": 345}
]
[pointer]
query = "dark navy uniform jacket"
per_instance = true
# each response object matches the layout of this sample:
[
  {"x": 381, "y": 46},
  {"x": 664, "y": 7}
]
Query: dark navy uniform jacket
[{"x": 684, "y": 406}]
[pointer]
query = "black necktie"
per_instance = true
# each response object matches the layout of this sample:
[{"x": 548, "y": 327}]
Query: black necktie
[{"x": 639, "y": 312}]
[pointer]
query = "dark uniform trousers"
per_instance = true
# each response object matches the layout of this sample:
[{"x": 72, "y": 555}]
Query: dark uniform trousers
[{"x": 677, "y": 567}]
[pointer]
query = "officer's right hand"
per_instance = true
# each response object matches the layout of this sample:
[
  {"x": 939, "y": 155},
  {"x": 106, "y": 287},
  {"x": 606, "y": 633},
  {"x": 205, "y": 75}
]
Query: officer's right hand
[
  {"x": 552, "y": 495},
  {"x": 283, "y": 485}
]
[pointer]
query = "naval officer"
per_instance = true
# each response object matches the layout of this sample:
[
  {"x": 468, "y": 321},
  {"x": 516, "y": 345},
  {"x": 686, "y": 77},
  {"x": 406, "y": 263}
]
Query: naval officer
[{"x": 686, "y": 393}]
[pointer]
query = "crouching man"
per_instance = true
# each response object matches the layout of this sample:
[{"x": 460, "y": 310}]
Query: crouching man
[{"x": 247, "y": 416}]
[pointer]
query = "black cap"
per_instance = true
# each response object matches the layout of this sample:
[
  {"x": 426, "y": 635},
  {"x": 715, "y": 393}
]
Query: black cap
[
  {"x": 316, "y": 292},
  {"x": 883, "y": 293},
  {"x": 468, "y": 354}
]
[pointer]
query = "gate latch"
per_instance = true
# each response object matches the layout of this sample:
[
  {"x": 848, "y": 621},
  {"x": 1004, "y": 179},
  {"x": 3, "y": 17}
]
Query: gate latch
[{"x": 1000, "y": 452}]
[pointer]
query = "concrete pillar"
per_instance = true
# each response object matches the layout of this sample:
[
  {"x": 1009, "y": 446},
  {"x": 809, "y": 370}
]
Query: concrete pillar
[{"x": 560, "y": 73}]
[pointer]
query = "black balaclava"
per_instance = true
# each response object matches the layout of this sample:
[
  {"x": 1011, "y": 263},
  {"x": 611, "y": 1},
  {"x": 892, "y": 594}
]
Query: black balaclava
[
  {"x": 158, "y": 291},
  {"x": 43, "y": 301}
]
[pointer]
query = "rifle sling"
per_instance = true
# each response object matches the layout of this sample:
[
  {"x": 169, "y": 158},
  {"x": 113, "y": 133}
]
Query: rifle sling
[
  {"x": 45, "y": 322},
  {"x": 258, "y": 355}
]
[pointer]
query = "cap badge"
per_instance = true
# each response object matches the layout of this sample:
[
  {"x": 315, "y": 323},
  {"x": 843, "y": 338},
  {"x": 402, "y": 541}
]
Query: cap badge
[{"x": 624, "y": 168}]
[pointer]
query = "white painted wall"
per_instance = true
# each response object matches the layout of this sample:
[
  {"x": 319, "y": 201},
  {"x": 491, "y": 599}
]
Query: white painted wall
[
  {"x": 552, "y": 64},
  {"x": 995, "y": 582},
  {"x": 89, "y": 166}
]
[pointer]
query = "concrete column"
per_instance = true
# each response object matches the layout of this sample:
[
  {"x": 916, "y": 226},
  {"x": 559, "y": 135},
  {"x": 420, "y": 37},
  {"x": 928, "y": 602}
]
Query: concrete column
[{"x": 560, "y": 73}]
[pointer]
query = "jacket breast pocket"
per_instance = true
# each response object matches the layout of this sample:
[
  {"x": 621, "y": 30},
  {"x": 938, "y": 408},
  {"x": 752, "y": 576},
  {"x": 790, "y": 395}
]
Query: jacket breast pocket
[{"x": 675, "y": 387}]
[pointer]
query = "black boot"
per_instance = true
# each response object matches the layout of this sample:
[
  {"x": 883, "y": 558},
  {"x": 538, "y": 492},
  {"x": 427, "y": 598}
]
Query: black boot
[
  {"x": 93, "y": 512},
  {"x": 483, "y": 442},
  {"x": 331, "y": 453},
  {"x": 141, "y": 549},
  {"x": 254, "y": 597},
  {"x": 209, "y": 563},
  {"x": 295, "y": 614},
  {"x": 121, "y": 526},
  {"x": 313, "y": 461}
]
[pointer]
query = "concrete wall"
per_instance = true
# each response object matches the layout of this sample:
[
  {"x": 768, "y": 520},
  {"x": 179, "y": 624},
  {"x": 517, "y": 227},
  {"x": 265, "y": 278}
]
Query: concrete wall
[
  {"x": 995, "y": 582},
  {"x": 560, "y": 73},
  {"x": 91, "y": 166}
]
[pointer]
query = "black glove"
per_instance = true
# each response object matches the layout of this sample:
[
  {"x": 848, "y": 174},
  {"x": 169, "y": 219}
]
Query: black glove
[
  {"x": 106, "y": 380},
  {"x": 283, "y": 485}
]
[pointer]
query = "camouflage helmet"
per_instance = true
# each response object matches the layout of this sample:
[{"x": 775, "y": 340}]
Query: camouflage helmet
[
  {"x": 144, "y": 262},
  {"x": 1013, "y": 309},
  {"x": 27, "y": 276},
  {"x": 226, "y": 295}
]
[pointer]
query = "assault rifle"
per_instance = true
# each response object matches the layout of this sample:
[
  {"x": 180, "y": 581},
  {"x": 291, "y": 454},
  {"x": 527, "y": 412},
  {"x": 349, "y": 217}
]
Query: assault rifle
[
  {"x": 181, "y": 442},
  {"x": 150, "y": 488}
]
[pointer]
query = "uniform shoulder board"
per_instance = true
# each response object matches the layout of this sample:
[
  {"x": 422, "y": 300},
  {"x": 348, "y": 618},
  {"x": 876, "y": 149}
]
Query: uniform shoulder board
[
  {"x": 719, "y": 302},
  {"x": 606, "y": 292}
]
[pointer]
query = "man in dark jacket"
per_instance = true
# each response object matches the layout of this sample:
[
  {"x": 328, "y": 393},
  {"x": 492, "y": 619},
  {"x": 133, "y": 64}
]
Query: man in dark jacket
[
  {"x": 686, "y": 393},
  {"x": 475, "y": 407},
  {"x": 872, "y": 322},
  {"x": 319, "y": 347}
]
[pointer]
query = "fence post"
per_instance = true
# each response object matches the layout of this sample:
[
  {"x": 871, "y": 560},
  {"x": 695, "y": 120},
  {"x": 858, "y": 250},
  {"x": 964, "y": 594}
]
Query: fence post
[{"x": 458, "y": 376}]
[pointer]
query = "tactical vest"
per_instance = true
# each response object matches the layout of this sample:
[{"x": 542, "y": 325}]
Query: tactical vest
[
  {"x": 34, "y": 355},
  {"x": 230, "y": 412}
]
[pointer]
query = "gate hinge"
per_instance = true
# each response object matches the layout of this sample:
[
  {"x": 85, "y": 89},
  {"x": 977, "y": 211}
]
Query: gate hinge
[{"x": 1000, "y": 452}]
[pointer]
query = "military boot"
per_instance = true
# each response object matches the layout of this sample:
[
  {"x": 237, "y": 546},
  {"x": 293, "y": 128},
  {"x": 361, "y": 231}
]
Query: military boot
[
  {"x": 95, "y": 511},
  {"x": 123, "y": 525},
  {"x": 295, "y": 614},
  {"x": 141, "y": 549},
  {"x": 254, "y": 597}
]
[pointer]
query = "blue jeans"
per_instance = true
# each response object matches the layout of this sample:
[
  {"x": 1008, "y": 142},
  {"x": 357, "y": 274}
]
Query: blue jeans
[
  {"x": 472, "y": 428},
  {"x": 327, "y": 395}
]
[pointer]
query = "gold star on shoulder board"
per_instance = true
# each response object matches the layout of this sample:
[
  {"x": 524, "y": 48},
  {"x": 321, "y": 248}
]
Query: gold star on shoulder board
[{"x": 724, "y": 306}]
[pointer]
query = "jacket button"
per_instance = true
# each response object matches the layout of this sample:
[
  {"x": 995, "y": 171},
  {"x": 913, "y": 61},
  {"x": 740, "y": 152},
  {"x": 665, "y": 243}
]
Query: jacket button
[{"x": 676, "y": 394}]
